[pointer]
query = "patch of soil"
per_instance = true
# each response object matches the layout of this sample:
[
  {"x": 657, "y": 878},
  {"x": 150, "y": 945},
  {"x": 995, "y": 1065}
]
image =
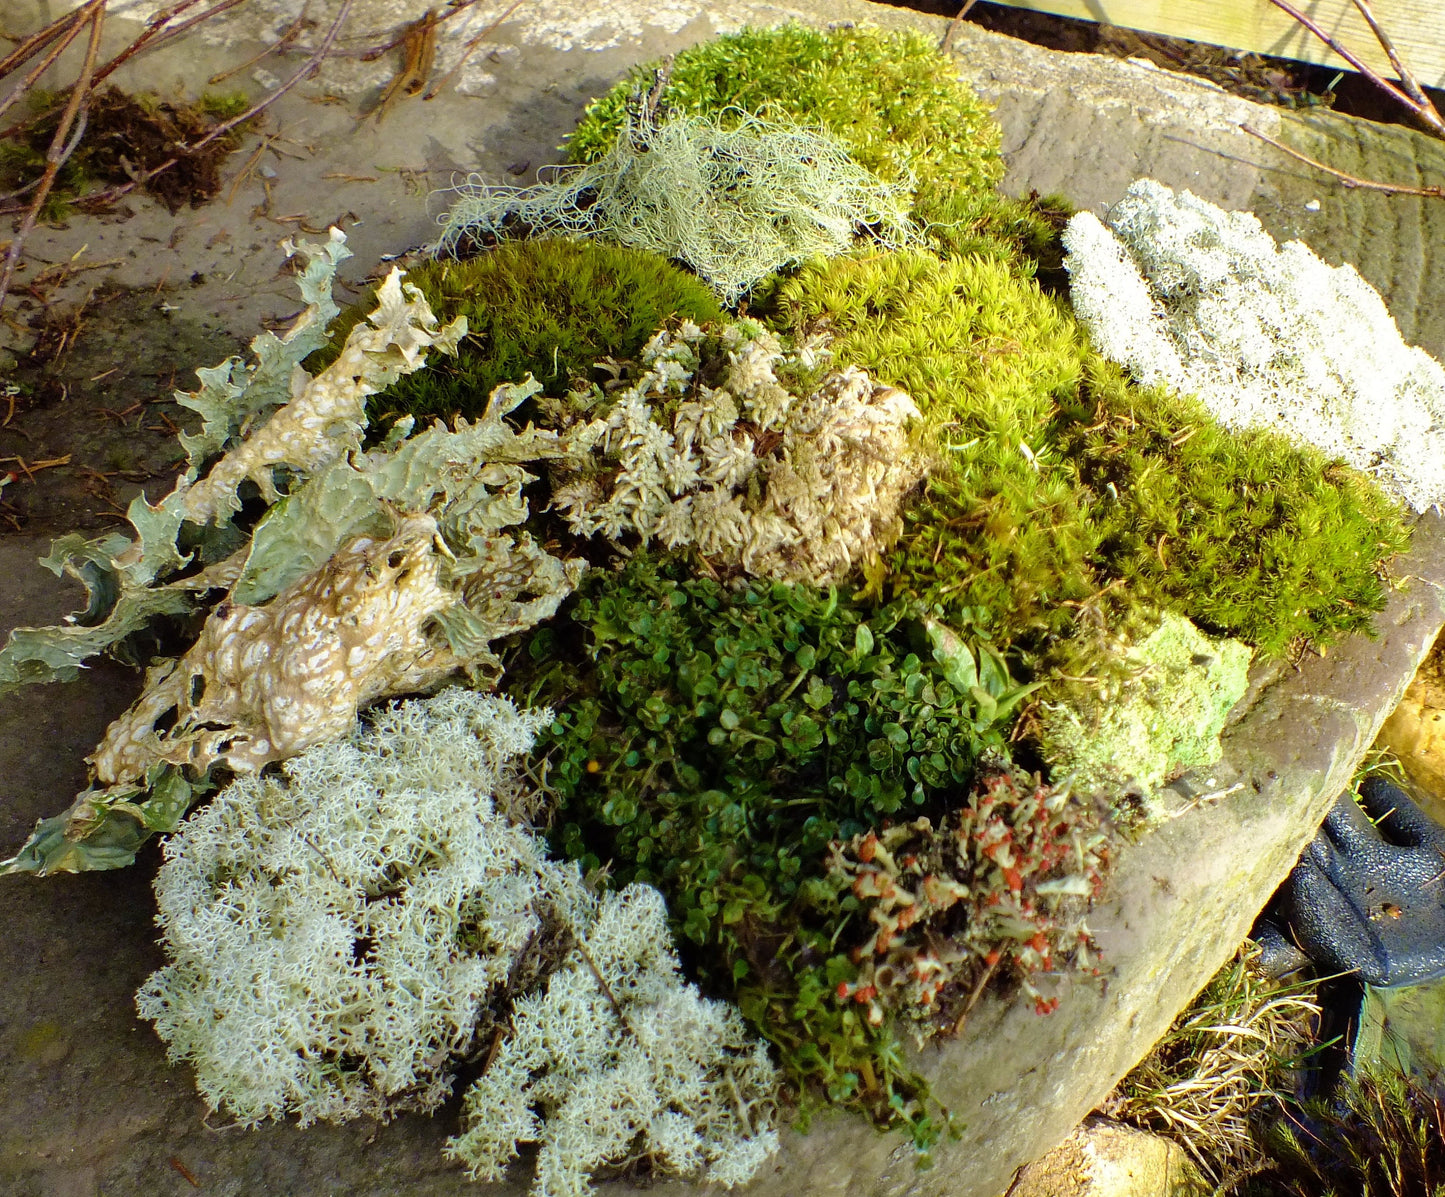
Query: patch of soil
[
  {"x": 87, "y": 417},
  {"x": 127, "y": 137},
  {"x": 1258, "y": 77}
]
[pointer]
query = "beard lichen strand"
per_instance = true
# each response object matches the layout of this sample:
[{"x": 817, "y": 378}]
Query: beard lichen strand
[{"x": 264, "y": 683}]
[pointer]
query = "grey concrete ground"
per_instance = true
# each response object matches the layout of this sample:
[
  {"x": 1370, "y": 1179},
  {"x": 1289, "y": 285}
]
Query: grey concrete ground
[{"x": 90, "y": 1105}]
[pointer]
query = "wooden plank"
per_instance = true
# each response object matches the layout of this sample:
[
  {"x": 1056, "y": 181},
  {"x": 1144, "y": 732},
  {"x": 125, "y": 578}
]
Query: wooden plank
[{"x": 1417, "y": 27}]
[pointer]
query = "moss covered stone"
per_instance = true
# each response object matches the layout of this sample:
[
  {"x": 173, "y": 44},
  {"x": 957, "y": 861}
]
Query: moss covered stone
[{"x": 550, "y": 308}]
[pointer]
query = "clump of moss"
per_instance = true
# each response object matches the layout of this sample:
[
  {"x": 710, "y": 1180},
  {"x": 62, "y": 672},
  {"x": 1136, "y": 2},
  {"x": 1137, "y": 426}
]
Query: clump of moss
[
  {"x": 713, "y": 741},
  {"x": 1066, "y": 489},
  {"x": 549, "y": 308},
  {"x": 1001, "y": 530},
  {"x": 896, "y": 104},
  {"x": 1161, "y": 716},
  {"x": 1244, "y": 532},
  {"x": 128, "y": 135}
]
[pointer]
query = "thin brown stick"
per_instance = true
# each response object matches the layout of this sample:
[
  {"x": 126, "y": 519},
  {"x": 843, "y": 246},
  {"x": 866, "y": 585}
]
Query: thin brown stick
[
  {"x": 456, "y": 8},
  {"x": 37, "y": 41},
  {"x": 1402, "y": 68},
  {"x": 1431, "y": 191},
  {"x": 283, "y": 43},
  {"x": 436, "y": 88},
  {"x": 156, "y": 34},
  {"x": 62, "y": 145},
  {"x": 308, "y": 68},
  {"x": 954, "y": 25},
  {"x": 606, "y": 988},
  {"x": 24, "y": 86},
  {"x": 973, "y": 998},
  {"x": 1426, "y": 111}
]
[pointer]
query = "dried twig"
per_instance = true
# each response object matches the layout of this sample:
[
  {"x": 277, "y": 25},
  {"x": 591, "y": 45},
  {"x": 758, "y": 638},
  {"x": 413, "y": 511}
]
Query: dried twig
[
  {"x": 1431, "y": 191},
  {"x": 1402, "y": 68},
  {"x": 1421, "y": 107},
  {"x": 308, "y": 68},
  {"x": 283, "y": 43},
  {"x": 158, "y": 31},
  {"x": 436, "y": 88},
  {"x": 25, "y": 86},
  {"x": 954, "y": 25},
  {"x": 62, "y": 145},
  {"x": 419, "y": 56},
  {"x": 455, "y": 8}
]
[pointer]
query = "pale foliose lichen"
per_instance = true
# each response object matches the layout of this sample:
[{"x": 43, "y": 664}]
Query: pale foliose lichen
[
  {"x": 1159, "y": 714},
  {"x": 1266, "y": 335},
  {"x": 335, "y": 932},
  {"x": 736, "y": 202},
  {"x": 326, "y": 415},
  {"x": 800, "y": 488},
  {"x": 379, "y": 573},
  {"x": 620, "y": 1062}
]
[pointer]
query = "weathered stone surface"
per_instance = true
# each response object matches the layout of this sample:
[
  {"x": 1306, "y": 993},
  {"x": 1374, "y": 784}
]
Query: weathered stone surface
[
  {"x": 89, "y": 1102},
  {"x": 1415, "y": 732},
  {"x": 1107, "y": 1159}
]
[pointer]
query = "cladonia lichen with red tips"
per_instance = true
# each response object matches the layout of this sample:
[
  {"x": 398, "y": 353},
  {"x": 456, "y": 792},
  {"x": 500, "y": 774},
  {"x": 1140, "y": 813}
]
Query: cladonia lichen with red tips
[{"x": 998, "y": 889}]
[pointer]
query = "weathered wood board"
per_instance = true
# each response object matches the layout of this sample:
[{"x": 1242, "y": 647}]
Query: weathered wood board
[{"x": 1417, "y": 27}]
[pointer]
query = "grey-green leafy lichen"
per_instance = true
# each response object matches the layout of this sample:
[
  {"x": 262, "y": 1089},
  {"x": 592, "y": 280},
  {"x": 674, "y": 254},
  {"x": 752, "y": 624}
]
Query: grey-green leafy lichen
[{"x": 378, "y": 573}]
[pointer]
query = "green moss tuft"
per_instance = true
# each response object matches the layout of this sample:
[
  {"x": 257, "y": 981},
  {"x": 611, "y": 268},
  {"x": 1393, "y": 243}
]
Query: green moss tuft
[
  {"x": 549, "y": 308},
  {"x": 1065, "y": 488},
  {"x": 1000, "y": 539},
  {"x": 1246, "y": 533}
]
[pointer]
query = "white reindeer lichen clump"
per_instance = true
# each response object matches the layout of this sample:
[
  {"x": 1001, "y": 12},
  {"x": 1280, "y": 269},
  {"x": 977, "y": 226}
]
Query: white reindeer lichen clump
[
  {"x": 619, "y": 1062},
  {"x": 342, "y": 935},
  {"x": 1203, "y": 300},
  {"x": 801, "y": 489},
  {"x": 335, "y": 932},
  {"x": 735, "y": 202}
]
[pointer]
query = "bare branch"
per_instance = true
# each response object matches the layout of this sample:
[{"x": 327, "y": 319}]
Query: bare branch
[
  {"x": 1402, "y": 69},
  {"x": 1425, "y": 111},
  {"x": 307, "y": 68},
  {"x": 1431, "y": 191},
  {"x": 62, "y": 145}
]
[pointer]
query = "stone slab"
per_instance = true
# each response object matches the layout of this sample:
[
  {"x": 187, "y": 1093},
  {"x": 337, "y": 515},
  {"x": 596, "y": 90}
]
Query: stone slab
[{"x": 90, "y": 1105}]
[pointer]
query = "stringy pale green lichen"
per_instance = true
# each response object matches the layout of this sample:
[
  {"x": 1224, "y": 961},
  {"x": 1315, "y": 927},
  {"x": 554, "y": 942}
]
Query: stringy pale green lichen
[
  {"x": 1161, "y": 715},
  {"x": 734, "y": 202},
  {"x": 747, "y": 472}
]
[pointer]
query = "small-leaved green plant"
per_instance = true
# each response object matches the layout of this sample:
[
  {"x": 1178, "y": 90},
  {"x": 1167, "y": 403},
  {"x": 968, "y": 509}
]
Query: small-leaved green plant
[{"x": 713, "y": 741}]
